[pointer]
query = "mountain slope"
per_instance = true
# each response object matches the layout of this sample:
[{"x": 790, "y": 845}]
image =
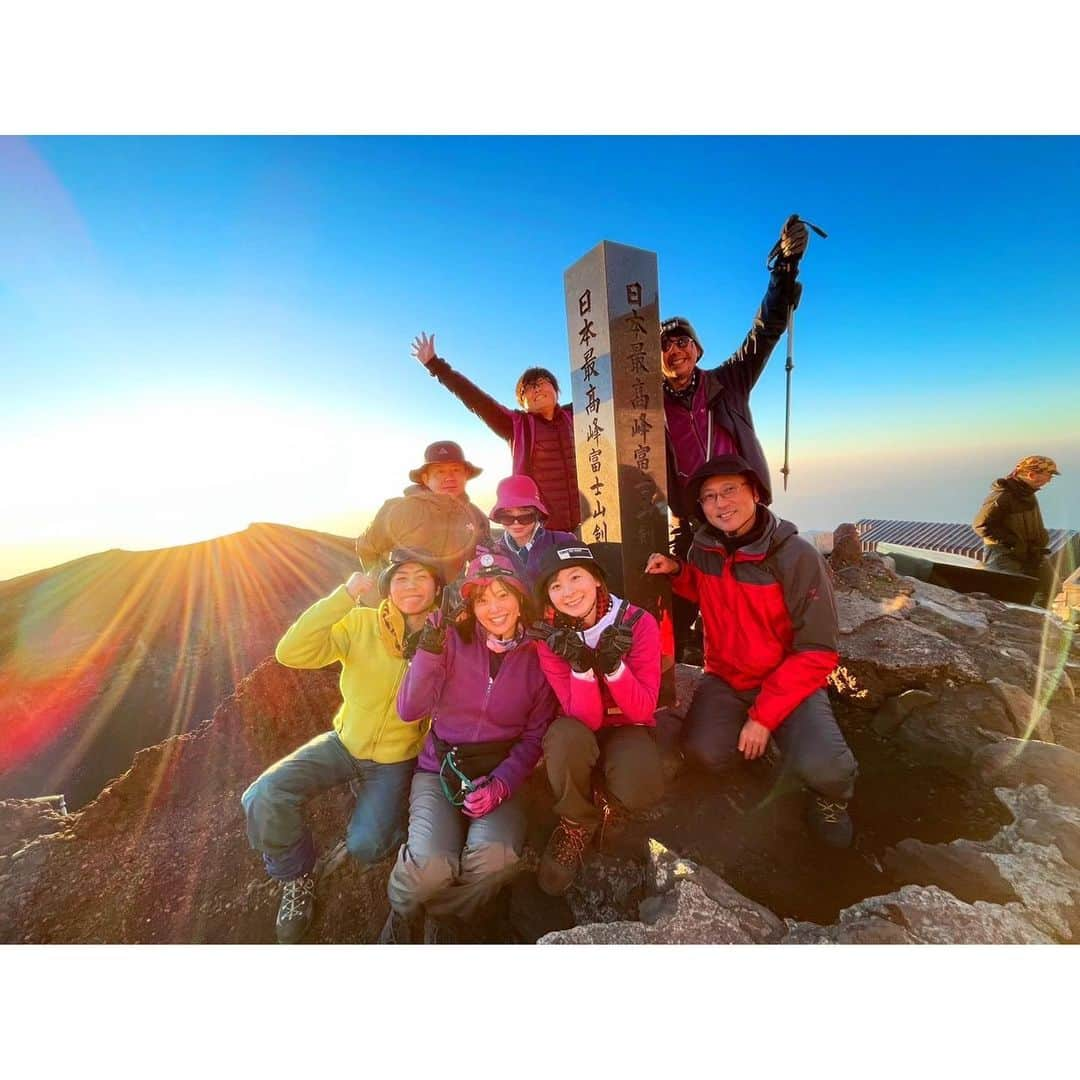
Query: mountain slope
[{"x": 114, "y": 652}]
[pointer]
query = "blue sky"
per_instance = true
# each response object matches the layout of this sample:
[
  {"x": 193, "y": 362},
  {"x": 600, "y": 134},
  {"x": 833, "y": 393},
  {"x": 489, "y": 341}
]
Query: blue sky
[{"x": 198, "y": 333}]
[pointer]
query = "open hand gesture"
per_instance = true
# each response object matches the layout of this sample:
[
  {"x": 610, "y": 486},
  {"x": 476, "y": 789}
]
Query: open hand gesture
[{"x": 423, "y": 348}]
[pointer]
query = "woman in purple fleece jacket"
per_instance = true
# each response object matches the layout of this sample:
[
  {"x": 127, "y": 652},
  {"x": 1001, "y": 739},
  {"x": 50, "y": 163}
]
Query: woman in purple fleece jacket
[{"x": 479, "y": 680}]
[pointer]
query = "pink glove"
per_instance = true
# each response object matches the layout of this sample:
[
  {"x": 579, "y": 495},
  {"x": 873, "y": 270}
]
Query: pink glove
[{"x": 488, "y": 793}]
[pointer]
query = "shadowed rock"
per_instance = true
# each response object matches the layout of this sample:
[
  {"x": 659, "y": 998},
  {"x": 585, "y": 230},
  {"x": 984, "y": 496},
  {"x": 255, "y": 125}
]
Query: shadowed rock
[
  {"x": 962, "y": 868},
  {"x": 891, "y": 715},
  {"x": 1014, "y": 762},
  {"x": 1029, "y": 719}
]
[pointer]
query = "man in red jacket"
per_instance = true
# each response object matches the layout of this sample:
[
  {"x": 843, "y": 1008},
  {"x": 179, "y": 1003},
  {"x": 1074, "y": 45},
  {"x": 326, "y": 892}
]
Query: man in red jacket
[
  {"x": 540, "y": 433},
  {"x": 770, "y": 643}
]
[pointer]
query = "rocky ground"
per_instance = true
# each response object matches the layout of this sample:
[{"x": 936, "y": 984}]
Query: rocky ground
[{"x": 960, "y": 710}]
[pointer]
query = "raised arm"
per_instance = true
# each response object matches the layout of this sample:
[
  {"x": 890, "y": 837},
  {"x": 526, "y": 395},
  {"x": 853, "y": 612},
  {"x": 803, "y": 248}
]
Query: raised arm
[
  {"x": 319, "y": 637},
  {"x": 745, "y": 365},
  {"x": 496, "y": 416}
]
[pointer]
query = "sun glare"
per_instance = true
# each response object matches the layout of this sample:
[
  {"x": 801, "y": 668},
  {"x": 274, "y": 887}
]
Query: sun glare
[{"x": 159, "y": 473}]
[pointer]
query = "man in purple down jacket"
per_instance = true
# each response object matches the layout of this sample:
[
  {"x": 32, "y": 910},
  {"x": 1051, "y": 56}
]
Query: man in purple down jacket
[
  {"x": 540, "y": 433},
  {"x": 480, "y": 682}
]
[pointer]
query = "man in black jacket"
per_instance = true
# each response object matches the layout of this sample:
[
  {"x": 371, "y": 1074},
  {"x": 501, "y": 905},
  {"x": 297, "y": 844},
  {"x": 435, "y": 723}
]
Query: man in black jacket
[
  {"x": 707, "y": 412},
  {"x": 1011, "y": 525}
]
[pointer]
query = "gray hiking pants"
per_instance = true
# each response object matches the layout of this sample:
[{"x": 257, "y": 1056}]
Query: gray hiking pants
[
  {"x": 810, "y": 742},
  {"x": 452, "y": 865}
]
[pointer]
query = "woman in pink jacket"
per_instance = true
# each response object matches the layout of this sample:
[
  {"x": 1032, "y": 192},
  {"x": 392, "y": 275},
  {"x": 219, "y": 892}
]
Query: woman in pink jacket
[{"x": 601, "y": 656}]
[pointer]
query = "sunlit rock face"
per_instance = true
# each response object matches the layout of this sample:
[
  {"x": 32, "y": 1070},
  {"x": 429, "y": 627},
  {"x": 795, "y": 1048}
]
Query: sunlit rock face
[{"x": 965, "y": 832}]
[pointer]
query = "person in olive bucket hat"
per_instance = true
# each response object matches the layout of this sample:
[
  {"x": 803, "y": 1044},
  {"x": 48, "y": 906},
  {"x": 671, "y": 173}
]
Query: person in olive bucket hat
[
  {"x": 1011, "y": 525},
  {"x": 434, "y": 514}
]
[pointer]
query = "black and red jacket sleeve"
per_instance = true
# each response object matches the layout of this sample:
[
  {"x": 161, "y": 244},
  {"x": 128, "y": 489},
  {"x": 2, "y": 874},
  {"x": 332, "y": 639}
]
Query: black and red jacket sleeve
[{"x": 808, "y": 596}]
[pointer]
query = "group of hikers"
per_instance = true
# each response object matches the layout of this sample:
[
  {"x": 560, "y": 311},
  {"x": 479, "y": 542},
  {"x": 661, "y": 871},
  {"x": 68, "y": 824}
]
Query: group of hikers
[{"x": 466, "y": 658}]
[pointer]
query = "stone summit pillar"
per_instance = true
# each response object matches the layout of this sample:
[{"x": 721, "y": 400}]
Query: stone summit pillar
[{"x": 613, "y": 323}]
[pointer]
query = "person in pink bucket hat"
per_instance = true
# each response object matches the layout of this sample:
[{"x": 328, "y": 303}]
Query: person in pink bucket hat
[{"x": 521, "y": 512}]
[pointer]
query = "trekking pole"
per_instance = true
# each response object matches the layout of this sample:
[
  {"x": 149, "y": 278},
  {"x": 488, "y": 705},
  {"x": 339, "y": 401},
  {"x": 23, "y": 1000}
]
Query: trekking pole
[
  {"x": 774, "y": 255},
  {"x": 788, "y": 367}
]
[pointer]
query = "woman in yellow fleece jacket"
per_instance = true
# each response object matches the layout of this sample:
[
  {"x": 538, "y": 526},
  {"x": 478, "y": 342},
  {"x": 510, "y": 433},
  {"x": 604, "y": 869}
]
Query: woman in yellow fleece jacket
[{"x": 370, "y": 747}]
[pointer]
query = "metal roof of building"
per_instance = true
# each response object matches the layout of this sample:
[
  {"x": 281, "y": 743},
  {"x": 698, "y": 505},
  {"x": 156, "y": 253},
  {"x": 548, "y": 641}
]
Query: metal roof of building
[{"x": 952, "y": 538}]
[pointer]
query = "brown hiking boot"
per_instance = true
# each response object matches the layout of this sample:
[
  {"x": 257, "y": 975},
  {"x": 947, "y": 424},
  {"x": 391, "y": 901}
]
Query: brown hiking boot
[{"x": 564, "y": 854}]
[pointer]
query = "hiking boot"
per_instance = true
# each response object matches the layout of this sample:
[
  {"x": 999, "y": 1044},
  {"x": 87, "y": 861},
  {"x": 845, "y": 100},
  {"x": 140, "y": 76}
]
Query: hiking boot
[
  {"x": 397, "y": 930},
  {"x": 829, "y": 821},
  {"x": 563, "y": 856},
  {"x": 296, "y": 909}
]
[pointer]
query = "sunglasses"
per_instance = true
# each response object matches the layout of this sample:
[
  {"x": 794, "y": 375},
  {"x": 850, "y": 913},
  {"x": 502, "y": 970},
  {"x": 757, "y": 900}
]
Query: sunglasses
[
  {"x": 682, "y": 341},
  {"x": 516, "y": 519}
]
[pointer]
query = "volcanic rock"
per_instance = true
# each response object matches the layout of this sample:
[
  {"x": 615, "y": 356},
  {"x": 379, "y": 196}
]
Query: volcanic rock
[{"x": 919, "y": 915}]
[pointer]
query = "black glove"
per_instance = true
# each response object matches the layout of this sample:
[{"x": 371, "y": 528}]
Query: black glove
[
  {"x": 569, "y": 645},
  {"x": 432, "y": 637},
  {"x": 615, "y": 641},
  {"x": 540, "y": 631},
  {"x": 790, "y": 248},
  {"x": 409, "y": 645},
  {"x": 452, "y": 605}
]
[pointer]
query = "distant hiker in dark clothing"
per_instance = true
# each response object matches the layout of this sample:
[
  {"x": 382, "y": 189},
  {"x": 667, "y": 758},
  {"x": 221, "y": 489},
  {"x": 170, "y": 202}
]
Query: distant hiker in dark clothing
[
  {"x": 1011, "y": 525},
  {"x": 370, "y": 747},
  {"x": 770, "y": 643},
  {"x": 522, "y": 514},
  {"x": 480, "y": 681},
  {"x": 707, "y": 412},
  {"x": 540, "y": 433},
  {"x": 434, "y": 514}
]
